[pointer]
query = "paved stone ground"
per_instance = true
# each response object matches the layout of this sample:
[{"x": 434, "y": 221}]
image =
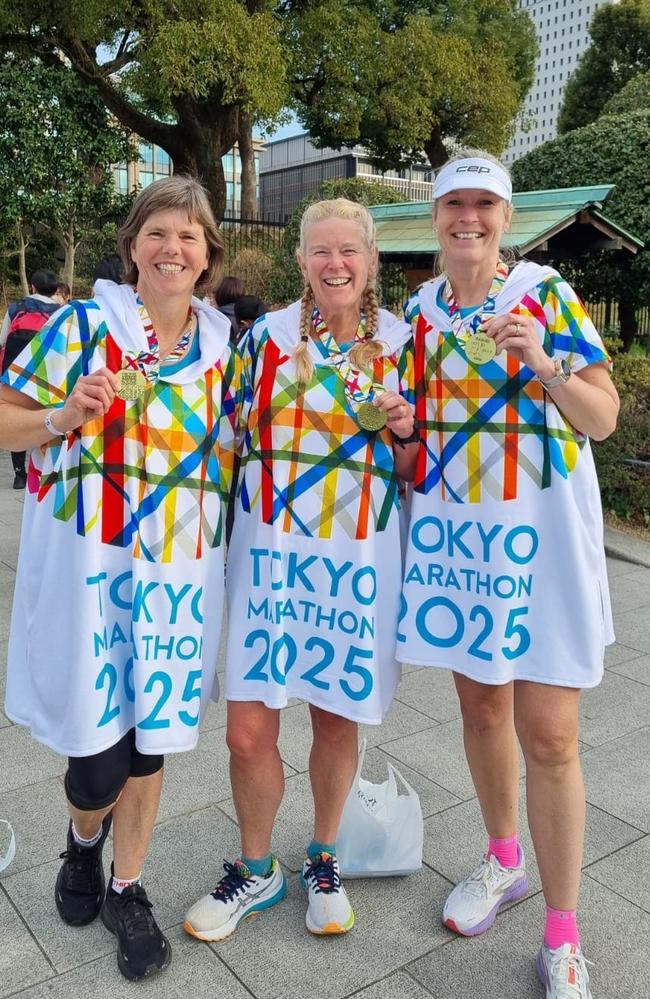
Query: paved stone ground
[{"x": 398, "y": 947}]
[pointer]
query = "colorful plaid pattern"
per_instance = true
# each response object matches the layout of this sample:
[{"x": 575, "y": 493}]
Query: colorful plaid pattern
[
  {"x": 489, "y": 425},
  {"x": 317, "y": 466},
  {"x": 152, "y": 473}
]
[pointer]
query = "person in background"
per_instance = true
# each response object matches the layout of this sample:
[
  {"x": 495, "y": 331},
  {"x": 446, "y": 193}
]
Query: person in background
[
  {"x": 505, "y": 579},
  {"x": 130, "y": 403},
  {"x": 62, "y": 293},
  {"x": 248, "y": 308},
  {"x": 22, "y": 320},
  {"x": 225, "y": 295},
  {"x": 109, "y": 268}
]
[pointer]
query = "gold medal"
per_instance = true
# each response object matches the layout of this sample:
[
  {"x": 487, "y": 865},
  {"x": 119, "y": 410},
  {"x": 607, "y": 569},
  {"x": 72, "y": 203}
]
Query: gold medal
[
  {"x": 131, "y": 384},
  {"x": 370, "y": 417},
  {"x": 480, "y": 347}
]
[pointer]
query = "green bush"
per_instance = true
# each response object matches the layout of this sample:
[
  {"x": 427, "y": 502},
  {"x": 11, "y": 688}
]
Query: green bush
[{"x": 625, "y": 488}]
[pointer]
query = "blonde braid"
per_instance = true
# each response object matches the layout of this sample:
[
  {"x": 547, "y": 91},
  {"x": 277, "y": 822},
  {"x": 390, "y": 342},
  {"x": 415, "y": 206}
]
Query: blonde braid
[
  {"x": 301, "y": 355},
  {"x": 363, "y": 354}
]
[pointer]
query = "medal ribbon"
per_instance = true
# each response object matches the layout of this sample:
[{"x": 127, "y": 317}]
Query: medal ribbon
[
  {"x": 466, "y": 327},
  {"x": 359, "y": 386},
  {"x": 148, "y": 361}
]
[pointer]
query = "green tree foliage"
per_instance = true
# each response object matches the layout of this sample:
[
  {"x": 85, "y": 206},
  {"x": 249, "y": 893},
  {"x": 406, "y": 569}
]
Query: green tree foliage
[
  {"x": 635, "y": 96},
  {"x": 402, "y": 76},
  {"x": 286, "y": 281},
  {"x": 619, "y": 50},
  {"x": 56, "y": 144},
  {"x": 180, "y": 73},
  {"x": 613, "y": 150}
]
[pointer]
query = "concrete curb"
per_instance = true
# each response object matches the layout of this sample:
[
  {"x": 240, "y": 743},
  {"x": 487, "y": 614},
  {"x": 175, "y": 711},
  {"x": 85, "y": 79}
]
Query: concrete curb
[{"x": 627, "y": 547}]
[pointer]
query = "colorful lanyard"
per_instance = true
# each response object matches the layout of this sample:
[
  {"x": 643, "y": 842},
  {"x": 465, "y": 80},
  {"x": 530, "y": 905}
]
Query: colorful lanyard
[
  {"x": 467, "y": 326},
  {"x": 359, "y": 386},
  {"x": 148, "y": 361}
]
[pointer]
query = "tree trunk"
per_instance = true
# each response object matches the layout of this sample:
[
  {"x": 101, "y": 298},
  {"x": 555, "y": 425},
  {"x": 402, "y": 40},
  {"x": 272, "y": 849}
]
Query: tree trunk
[
  {"x": 70, "y": 250},
  {"x": 436, "y": 150},
  {"x": 627, "y": 321},
  {"x": 22, "y": 266},
  {"x": 200, "y": 152},
  {"x": 249, "y": 208}
]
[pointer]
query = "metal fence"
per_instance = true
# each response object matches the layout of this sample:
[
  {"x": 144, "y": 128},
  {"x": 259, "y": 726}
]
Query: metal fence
[{"x": 259, "y": 234}]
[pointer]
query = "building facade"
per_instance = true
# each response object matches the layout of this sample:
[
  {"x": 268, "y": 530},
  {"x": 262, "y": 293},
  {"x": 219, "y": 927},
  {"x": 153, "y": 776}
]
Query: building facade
[
  {"x": 292, "y": 168},
  {"x": 153, "y": 163},
  {"x": 562, "y": 28}
]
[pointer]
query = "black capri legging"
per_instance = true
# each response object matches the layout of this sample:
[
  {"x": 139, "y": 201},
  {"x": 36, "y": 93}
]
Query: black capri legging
[{"x": 95, "y": 782}]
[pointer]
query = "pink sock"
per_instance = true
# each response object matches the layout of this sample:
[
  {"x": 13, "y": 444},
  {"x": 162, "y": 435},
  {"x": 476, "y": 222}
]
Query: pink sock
[
  {"x": 505, "y": 850},
  {"x": 560, "y": 928}
]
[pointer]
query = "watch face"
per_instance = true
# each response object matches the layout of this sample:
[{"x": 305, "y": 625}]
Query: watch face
[{"x": 565, "y": 369}]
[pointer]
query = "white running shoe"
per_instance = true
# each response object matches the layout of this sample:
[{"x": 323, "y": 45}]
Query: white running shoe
[
  {"x": 328, "y": 908},
  {"x": 563, "y": 972},
  {"x": 472, "y": 906},
  {"x": 238, "y": 895}
]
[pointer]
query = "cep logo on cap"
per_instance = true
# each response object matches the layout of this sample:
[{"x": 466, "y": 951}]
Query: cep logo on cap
[{"x": 473, "y": 168}]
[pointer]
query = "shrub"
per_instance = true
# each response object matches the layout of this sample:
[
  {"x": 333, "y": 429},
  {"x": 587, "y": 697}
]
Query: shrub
[
  {"x": 254, "y": 268},
  {"x": 625, "y": 488}
]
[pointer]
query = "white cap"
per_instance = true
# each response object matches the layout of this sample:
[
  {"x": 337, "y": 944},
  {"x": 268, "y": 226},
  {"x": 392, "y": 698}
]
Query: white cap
[{"x": 475, "y": 173}]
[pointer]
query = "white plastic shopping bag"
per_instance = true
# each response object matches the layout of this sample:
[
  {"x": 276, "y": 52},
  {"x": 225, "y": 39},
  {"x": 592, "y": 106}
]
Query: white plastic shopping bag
[
  {"x": 381, "y": 829},
  {"x": 10, "y": 852}
]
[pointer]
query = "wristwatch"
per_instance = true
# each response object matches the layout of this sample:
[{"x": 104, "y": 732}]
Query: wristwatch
[
  {"x": 50, "y": 426},
  {"x": 413, "y": 437},
  {"x": 561, "y": 376}
]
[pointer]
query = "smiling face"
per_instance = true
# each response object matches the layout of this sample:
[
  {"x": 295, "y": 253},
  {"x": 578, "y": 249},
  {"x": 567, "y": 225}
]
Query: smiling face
[
  {"x": 170, "y": 253},
  {"x": 337, "y": 263},
  {"x": 470, "y": 225}
]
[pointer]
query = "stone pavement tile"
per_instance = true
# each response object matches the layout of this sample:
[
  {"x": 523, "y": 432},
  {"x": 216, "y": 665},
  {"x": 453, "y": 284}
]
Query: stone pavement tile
[
  {"x": 500, "y": 964},
  {"x": 431, "y": 691},
  {"x": 630, "y": 591},
  {"x": 437, "y": 754},
  {"x": 394, "y": 924},
  {"x": 401, "y": 720},
  {"x": 616, "y": 654},
  {"x": 615, "y": 707},
  {"x": 632, "y": 628},
  {"x": 21, "y": 960},
  {"x": 397, "y": 986},
  {"x": 215, "y": 716},
  {"x": 194, "y": 971},
  {"x": 183, "y": 863},
  {"x": 454, "y": 840},
  {"x": 636, "y": 669},
  {"x": 32, "y": 892},
  {"x": 25, "y": 761},
  {"x": 616, "y": 777},
  {"x": 627, "y": 872},
  {"x": 617, "y": 567},
  {"x": 40, "y": 821}
]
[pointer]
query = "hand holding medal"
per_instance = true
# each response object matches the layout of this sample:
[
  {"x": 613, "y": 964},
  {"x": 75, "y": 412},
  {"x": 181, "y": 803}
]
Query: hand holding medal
[
  {"x": 398, "y": 415},
  {"x": 91, "y": 397},
  {"x": 518, "y": 335}
]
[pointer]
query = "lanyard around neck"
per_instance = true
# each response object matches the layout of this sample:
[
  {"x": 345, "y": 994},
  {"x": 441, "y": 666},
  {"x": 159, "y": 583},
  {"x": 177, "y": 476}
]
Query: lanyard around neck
[
  {"x": 359, "y": 385},
  {"x": 466, "y": 326},
  {"x": 148, "y": 361}
]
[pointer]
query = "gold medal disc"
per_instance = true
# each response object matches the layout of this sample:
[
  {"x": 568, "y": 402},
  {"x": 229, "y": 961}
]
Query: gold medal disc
[
  {"x": 131, "y": 384},
  {"x": 370, "y": 417},
  {"x": 480, "y": 348}
]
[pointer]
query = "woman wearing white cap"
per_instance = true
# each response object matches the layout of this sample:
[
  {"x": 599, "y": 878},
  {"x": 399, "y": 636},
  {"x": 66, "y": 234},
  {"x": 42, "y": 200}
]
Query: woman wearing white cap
[{"x": 505, "y": 580}]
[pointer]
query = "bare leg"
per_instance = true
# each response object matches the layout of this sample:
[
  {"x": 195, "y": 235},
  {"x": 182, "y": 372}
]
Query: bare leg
[
  {"x": 256, "y": 772},
  {"x": 134, "y": 816},
  {"x": 491, "y": 751},
  {"x": 547, "y": 724},
  {"x": 87, "y": 823},
  {"x": 332, "y": 765}
]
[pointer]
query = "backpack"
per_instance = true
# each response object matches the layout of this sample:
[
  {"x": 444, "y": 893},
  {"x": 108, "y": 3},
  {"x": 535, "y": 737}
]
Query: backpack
[{"x": 29, "y": 314}]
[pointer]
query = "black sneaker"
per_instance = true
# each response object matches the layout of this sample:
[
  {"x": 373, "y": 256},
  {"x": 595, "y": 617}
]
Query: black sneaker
[
  {"x": 20, "y": 480},
  {"x": 80, "y": 884},
  {"x": 141, "y": 947}
]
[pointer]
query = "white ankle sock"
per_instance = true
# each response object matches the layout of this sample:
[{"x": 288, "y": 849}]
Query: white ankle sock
[
  {"x": 119, "y": 884},
  {"x": 87, "y": 842}
]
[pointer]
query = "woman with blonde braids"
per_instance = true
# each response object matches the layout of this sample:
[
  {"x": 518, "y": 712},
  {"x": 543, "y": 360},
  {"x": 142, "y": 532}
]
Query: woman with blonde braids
[{"x": 315, "y": 558}]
